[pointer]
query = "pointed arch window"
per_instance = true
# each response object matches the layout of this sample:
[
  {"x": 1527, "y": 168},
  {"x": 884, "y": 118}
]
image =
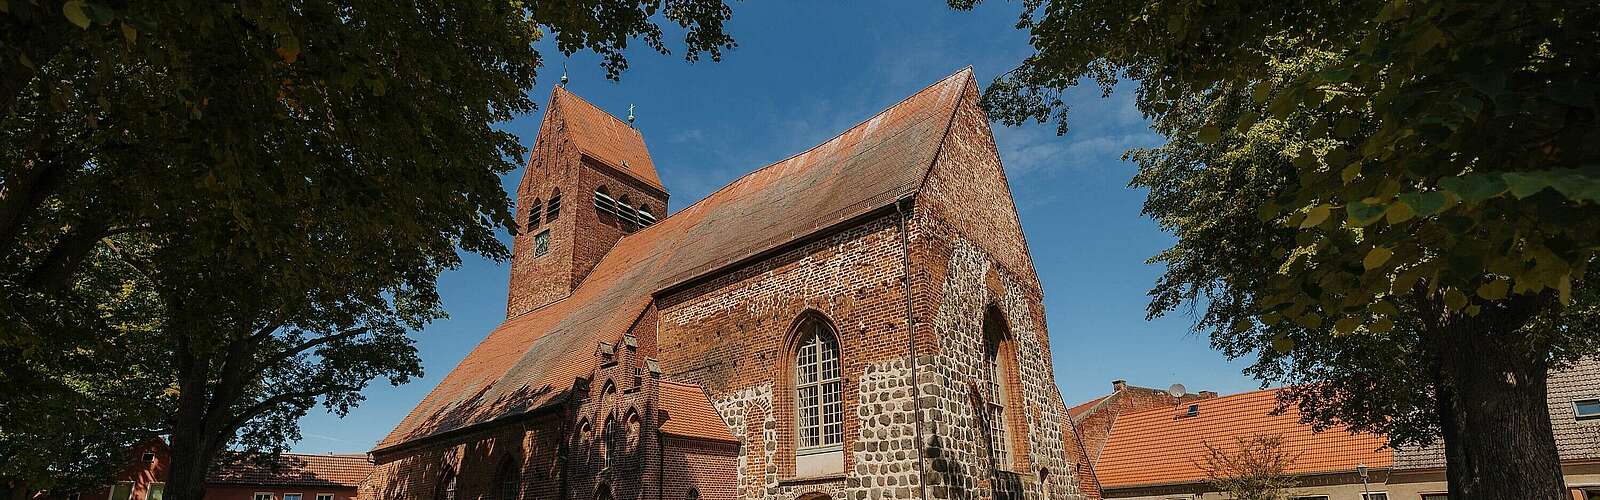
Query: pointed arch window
[
  {"x": 609, "y": 439},
  {"x": 507, "y": 481},
  {"x": 626, "y": 214},
  {"x": 552, "y": 209},
  {"x": 646, "y": 217},
  {"x": 819, "y": 407},
  {"x": 447, "y": 485},
  {"x": 997, "y": 371},
  {"x": 534, "y": 213},
  {"x": 604, "y": 203}
]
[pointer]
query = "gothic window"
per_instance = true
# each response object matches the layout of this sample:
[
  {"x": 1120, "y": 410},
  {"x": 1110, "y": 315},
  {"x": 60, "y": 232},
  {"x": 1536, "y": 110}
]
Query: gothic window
[
  {"x": 609, "y": 436},
  {"x": 646, "y": 217},
  {"x": 541, "y": 243},
  {"x": 534, "y": 213},
  {"x": 507, "y": 484},
  {"x": 625, "y": 214},
  {"x": 693, "y": 494},
  {"x": 997, "y": 370},
  {"x": 819, "y": 409},
  {"x": 447, "y": 485},
  {"x": 585, "y": 434},
  {"x": 552, "y": 209},
  {"x": 634, "y": 432},
  {"x": 604, "y": 203}
]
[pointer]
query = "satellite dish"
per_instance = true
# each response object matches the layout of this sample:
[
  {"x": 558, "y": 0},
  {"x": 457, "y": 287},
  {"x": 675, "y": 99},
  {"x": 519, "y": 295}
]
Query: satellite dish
[{"x": 1177, "y": 391}]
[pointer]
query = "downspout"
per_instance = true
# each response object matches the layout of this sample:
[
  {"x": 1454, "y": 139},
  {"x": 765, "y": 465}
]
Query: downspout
[{"x": 911, "y": 340}]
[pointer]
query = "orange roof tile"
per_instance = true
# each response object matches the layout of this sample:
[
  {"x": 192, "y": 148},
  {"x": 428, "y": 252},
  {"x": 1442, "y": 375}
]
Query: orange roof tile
[
  {"x": 603, "y": 137},
  {"x": 1157, "y": 446},
  {"x": 531, "y": 360},
  {"x": 690, "y": 413},
  {"x": 293, "y": 469}
]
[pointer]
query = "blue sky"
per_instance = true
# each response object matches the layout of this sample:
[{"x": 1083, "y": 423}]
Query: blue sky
[{"x": 805, "y": 71}]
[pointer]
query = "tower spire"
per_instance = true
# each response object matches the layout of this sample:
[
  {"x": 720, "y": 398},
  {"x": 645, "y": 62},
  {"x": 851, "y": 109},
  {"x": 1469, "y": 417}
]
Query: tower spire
[{"x": 563, "y": 72}]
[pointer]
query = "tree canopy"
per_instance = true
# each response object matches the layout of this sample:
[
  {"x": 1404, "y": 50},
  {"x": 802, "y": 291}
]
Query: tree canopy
[
  {"x": 1393, "y": 204},
  {"x": 214, "y": 216}
]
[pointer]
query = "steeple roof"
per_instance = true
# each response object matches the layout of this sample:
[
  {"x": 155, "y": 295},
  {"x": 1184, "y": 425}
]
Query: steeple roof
[
  {"x": 532, "y": 360},
  {"x": 603, "y": 137}
]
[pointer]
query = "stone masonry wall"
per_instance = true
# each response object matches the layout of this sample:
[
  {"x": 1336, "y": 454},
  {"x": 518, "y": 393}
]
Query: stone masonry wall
[{"x": 973, "y": 257}]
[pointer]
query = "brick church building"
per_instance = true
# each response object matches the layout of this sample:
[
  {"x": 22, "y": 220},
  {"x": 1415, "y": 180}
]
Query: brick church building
[{"x": 861, "y": 321}]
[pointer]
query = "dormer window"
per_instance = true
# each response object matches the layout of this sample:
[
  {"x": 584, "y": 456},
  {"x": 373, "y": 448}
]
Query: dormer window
[{"x": 1586, "y": 408}]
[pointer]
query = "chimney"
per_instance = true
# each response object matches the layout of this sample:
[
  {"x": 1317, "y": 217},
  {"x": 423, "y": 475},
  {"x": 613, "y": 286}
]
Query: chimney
[{"x": 1119, "y": 385}]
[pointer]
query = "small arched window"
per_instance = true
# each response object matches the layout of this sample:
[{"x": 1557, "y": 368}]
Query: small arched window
[
  {"x": 693, "y": 494},
  {"x": 625, "y": 214},
  {"x": 534, "y": 213},
  {"x": 997, "y": 369},
  {"x": 646, "y": 217},
  {"x": 604, "y": 203},
  {"x": 507, "y": 481},
  {"x": 819, "y": 408},
  {"x": 447, "y": 485},
  {"x": 585, "y": 434},
  {"x": 634, "y": 432},
  {"x": 553, "y": 208}
]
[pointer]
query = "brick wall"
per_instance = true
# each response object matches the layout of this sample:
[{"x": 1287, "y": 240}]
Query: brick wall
[
  {"x": 734, "y": 334},
  {"x": 579, "y": 236},
  {"x": 551, "y": 168}
]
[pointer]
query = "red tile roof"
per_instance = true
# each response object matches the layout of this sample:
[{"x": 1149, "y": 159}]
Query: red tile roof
[
  {"x": 531, "y": 360},
  {"x": 690, "y": 413},
  {"x": 1157, "y": 446},
  {"x": 603, "y": 137},
  {"x": 293, "y": 469}
]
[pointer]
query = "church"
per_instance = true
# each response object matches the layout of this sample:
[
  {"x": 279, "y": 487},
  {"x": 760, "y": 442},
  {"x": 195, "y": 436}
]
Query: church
[{"x": 860, "y": 321}]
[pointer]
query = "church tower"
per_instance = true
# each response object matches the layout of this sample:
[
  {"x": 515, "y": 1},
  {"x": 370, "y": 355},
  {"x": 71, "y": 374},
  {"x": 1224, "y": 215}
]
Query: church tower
[{"x": 589, "y": 183}]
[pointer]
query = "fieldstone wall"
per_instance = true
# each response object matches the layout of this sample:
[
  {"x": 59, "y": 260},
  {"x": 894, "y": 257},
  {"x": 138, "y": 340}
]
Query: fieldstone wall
[{"x": 956, "y": 439}]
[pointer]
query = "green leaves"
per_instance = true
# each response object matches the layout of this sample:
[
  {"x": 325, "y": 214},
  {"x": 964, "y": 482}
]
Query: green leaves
[
  {"x": 1376, "y": 258},
  {"x": 77, "y": 11},
  {"x": 1363, "y": 214},
  {"x": 1316, "y": 216}
]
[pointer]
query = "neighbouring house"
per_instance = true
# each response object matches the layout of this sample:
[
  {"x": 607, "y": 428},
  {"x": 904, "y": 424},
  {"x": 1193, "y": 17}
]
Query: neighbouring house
[
  {"x": 1158, "y": 453},
  {"x": 1574, "y": 400},
  {"x": 1092, "y": 423},
  {"x": 1145, "y": 444},
  {"x": 289, "y": 476},
  {"x": 142, "y": 478},
  {"x": 859, "y": 321}
]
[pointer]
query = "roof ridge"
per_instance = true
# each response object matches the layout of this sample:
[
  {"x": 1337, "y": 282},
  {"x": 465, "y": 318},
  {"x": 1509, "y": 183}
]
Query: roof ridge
[
  {"x": 819, "y": 145},
  {"x": 1206, "y": 400},
  {"x": 602, "y": 111}
]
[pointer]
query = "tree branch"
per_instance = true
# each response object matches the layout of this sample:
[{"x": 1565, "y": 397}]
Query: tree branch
[
  {"x": 252, "y": 411},
  {"x": 55, "y": 272},
  {"x": 305, "y": 346}
]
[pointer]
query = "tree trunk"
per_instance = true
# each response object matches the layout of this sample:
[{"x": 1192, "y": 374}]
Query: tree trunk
[
  {"x": 1498, "y": 438},
  {"x": 193, "y": 444}
]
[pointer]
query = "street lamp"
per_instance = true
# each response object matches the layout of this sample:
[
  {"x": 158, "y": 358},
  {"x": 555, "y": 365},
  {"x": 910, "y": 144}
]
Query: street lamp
[{"x": 1361, "y": 469}]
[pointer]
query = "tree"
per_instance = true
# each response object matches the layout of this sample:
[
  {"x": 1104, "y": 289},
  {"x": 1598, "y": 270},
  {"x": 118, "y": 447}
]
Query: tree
[
  {"x": 214, "y": 216},
  {"x": 1394, "y": 203},
  {"x": 1254, "y": 468}
]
